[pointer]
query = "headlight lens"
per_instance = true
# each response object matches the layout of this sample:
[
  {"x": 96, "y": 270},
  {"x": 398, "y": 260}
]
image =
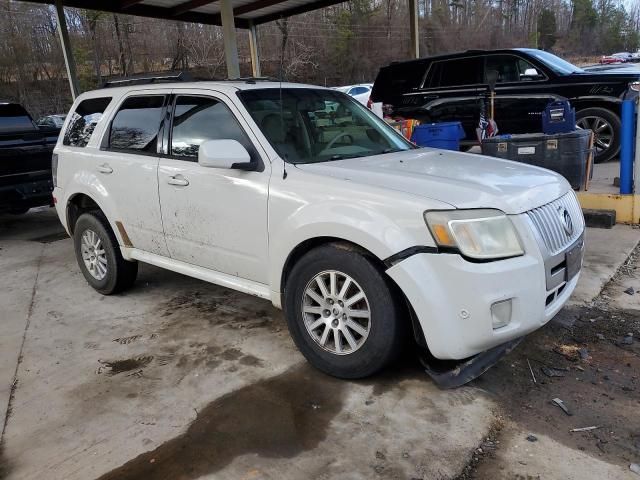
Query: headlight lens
[{"x": 480, "y": 234}]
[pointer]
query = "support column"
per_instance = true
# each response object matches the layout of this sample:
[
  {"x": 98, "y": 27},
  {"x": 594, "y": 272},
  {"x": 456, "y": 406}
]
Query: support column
[
  {"x": 253, "y": 48},
  {"x": 413, "y": 25},
  {"x": 229, "y": 38},
  {"x": 66, "y": 50}
]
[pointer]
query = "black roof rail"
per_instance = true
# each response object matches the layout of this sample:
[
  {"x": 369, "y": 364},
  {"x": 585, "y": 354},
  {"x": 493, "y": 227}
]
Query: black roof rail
[
  {"x": 253, "y": 79},
  {"x": 148, "y": 78}
]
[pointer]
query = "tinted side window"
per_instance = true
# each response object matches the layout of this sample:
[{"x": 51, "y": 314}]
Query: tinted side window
[
  {"x": 511, "y": 69},
  {"x": 394, "y": 80},
  {"x": 83, "y": 121},
  {"x": 136, "y": 125},
  {"x": 197, "y": 119},
  {"x": 14, "y": 118},
  {"x": 456, "y": 72}
]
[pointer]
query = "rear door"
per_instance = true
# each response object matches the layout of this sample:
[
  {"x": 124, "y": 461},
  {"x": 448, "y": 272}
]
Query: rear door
[
  {"x": 213, "y": 218},
  {"x": 453, "y": 91},
  {"x": 127, "y": 166}
]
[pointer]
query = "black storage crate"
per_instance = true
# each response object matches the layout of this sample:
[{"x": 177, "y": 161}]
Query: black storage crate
[{"x": 565, "y": 153}]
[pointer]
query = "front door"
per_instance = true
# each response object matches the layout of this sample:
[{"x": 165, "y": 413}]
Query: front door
[
  {"x": 213, "y": 218},
  {"x": 520, "y": 95}
]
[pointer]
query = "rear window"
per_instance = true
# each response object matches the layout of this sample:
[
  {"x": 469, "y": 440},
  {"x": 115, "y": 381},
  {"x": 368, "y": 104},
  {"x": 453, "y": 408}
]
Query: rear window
[
  {"x": 455, "y": 72},
  {"x": 14, "y": 117},
  {"x": 83, "y": 121},
  {"x": 135, "y": 126}
]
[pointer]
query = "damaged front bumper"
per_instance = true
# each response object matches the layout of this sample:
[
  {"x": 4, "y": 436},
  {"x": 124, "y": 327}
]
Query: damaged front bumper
[{"x": 452, "y": 374}]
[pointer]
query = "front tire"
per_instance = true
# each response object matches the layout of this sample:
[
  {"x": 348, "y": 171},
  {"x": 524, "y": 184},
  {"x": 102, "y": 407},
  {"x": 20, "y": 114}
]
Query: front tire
[
  {"x": 99, "y": 257},
  {"x": 606, "y": 127},
  {"x": 342, "y": 312}
]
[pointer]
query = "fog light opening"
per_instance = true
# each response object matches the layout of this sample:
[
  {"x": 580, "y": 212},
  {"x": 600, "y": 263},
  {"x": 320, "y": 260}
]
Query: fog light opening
[{"x": 501, "y": 314}]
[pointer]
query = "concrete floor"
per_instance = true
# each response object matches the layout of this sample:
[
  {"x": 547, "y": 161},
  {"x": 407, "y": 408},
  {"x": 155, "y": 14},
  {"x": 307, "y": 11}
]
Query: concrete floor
[{"x": 178, "y": 378}]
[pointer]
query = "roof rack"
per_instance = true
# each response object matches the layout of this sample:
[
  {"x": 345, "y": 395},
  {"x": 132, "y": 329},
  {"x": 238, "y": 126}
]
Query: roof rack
[
  {"x": 253, "y": 79},
  {"x": 148, "y": 78}
]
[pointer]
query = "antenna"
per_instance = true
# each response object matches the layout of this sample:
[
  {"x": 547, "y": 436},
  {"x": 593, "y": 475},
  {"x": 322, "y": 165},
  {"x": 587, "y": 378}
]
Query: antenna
[{"x": 284, "y": 166}]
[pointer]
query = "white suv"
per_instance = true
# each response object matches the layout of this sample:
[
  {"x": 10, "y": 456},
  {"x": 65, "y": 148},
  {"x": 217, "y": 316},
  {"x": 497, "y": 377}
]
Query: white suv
[{"x": 301, "y": 195}]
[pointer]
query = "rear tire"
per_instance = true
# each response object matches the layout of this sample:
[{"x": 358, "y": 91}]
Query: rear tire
[
  {"x": 367, "y": 343},
  {"x": 99, "y": 257},
  {"x": 610, "y": 125}
]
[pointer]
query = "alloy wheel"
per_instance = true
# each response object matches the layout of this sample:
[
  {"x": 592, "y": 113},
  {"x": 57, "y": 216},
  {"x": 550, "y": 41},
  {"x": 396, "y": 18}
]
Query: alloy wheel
[
  {"x": 602, "y": 129},
  {"x": 336, "y": 312},
  {"x": 93, "y": 254}
]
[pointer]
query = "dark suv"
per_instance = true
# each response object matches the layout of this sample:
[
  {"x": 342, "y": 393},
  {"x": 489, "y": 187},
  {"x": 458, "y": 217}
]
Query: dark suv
[{"x": 451, "y": 87}]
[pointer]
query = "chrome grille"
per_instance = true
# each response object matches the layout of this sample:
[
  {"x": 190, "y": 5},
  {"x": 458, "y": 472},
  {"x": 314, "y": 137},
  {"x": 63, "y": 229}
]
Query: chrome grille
[{"x": 549, "y": 222}]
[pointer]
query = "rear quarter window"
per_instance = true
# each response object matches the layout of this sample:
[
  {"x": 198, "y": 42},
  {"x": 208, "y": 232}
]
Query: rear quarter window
[
  {"x": 83, "y": 121},
  {"x": 397, "y": 79},
  {"x": 14, "y": 118}
]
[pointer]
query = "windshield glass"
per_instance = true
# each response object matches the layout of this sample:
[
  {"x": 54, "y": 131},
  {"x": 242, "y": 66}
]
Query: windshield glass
[
  {"x": 556, "y": 64},
  {"x": 306, "y": 125}
]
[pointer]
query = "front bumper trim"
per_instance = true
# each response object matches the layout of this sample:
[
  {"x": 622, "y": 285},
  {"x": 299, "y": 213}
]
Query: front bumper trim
[{"x": 450, "y": 374}]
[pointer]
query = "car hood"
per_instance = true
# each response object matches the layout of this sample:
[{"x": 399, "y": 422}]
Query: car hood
[
  {"x": 614, "y": 74},
  {"x": 462, "y": 180}
]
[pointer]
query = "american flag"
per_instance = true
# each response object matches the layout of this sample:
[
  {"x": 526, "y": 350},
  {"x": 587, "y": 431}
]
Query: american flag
[{"x": 487, "y": 128}]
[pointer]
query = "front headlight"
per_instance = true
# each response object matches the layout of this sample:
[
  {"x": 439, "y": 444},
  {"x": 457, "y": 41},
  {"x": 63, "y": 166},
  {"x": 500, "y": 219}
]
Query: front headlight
[{"x": 480, "y": 234}]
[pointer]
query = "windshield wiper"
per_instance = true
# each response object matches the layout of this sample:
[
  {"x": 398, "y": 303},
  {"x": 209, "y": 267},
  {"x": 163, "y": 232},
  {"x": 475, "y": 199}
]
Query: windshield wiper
[{"x": 340, "y": 156}]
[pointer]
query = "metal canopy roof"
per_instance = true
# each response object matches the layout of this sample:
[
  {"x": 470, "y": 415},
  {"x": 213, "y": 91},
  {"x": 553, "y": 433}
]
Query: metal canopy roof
[{"x": 202, "y": 11}]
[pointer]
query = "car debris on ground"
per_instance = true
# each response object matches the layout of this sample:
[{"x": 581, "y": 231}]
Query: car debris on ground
[
  {"x": 554, "y": 372},
  {"x": 584, "y": 429},
  {"x": 560, "y": 403}
]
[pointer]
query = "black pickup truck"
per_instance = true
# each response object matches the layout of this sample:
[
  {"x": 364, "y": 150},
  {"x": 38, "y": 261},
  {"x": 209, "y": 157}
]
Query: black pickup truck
[
  {"x": 453, "y": 87},
  {"x": 25, "y": 160}
]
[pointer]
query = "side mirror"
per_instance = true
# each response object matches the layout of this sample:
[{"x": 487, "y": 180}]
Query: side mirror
[
  {"x": 531, "y": 72},
  {"x": 224, "y": 154}
]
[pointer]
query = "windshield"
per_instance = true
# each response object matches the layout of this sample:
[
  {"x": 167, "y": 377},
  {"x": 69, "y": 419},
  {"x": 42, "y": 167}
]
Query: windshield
[
  {"x": 558, "y": 65},
  {"x": 319, "y": 125}
]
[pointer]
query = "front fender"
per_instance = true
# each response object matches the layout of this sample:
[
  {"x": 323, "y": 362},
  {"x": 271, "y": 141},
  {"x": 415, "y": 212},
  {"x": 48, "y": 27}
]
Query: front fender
[{"x": 368, "y": 228}]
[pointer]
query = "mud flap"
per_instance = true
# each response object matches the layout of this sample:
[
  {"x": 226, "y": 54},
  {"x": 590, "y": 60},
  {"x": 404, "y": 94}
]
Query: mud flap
[{"x": 450, "y": 374}]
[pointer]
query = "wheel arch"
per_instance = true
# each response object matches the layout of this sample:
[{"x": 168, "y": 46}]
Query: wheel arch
[
  {"x": 77, "y": 204},
  {"x": 613, "y": 105},
  {"x": 311, "y": 243}
]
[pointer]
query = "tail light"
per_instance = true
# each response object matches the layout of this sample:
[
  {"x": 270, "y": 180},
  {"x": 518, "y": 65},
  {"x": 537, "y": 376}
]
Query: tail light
[
  {"x": 635, "y": 86},
  {"x": 369, "y": 103},
  {"x": 54, "y": 169}
]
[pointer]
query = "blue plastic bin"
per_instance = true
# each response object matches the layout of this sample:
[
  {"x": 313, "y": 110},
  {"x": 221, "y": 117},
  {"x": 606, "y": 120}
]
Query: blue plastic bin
[{"x": 445, "y": 135}]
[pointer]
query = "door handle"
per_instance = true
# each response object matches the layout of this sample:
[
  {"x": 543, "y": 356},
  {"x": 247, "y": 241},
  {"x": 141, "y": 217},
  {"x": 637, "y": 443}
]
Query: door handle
[
  {"x": 178, "y": 180},
  {"x": 105, "y": 168}
]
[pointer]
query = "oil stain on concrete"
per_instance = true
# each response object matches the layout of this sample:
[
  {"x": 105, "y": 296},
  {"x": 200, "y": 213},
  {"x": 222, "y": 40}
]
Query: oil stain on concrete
[{"x": 279, "y": 417}]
